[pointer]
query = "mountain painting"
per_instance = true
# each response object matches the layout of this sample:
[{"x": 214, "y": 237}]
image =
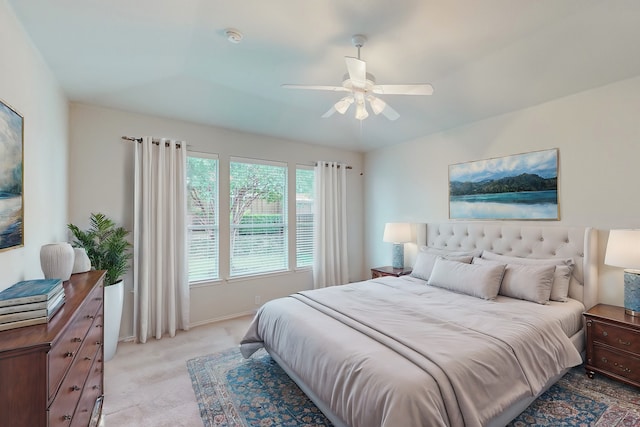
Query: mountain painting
[
  {"x": 521, "y": 186},
  {"x": 11, "y": 205}
]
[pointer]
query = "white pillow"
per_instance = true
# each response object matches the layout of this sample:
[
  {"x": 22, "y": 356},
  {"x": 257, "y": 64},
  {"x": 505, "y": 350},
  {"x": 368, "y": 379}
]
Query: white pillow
[
  {"x": 482, "y": 281},
  {"x": 523, "y": 281},
  {"x": 561, "y": 277},
  {"x": 425, "y": 261}
]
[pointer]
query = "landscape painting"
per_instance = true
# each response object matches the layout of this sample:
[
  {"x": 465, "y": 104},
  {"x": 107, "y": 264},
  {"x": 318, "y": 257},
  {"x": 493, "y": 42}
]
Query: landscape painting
[
  {"x": 11, "y": 158},
  {"x": 521, "y": 186}
]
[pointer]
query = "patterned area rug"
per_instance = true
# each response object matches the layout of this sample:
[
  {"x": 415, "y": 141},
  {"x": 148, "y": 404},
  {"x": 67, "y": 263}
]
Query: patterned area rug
[{"x": 234, "y": 392}]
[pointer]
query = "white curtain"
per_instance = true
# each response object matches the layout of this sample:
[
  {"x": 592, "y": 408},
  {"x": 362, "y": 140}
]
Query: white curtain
[
  {"x": 330, "y": 265},
  {"x": 161, "y": 285}
]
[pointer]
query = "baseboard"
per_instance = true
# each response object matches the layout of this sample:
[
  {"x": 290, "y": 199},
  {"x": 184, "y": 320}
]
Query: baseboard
[
  {"x": 222, "y": 318},
  {"x": 204, "y": 322}
]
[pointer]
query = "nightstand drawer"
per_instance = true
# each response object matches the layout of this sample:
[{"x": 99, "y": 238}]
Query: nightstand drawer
[
  {"x": 616, "y": 336},
  {"x": 616, "y": 363}
]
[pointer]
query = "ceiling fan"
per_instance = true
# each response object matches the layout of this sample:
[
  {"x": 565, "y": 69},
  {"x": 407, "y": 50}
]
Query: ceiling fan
[{"x": 362, "y": 88}]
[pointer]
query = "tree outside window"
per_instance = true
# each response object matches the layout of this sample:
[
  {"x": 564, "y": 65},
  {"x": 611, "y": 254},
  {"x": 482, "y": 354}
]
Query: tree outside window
[{"x": 258, "y": 217}]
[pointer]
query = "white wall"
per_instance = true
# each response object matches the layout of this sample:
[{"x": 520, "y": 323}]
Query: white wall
[
  {"x": 101, "y": 180},
  {"x": 597, "y": 133},
  {"x": 28, "y": 86}
]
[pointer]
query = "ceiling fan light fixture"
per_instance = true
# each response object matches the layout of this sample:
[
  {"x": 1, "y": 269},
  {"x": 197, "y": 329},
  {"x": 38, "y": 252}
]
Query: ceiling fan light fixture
[
  {"x": 362, "y": 85},
  {"x": 361, "y": 111},
  {"x": 343, "y": 105},
  {"x": 377, "y": 104}
]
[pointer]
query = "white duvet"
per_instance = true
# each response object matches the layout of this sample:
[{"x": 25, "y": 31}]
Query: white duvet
[{"x": 394, "y": 352}]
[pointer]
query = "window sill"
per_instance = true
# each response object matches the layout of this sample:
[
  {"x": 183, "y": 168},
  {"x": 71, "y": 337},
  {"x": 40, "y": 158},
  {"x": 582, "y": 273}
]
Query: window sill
[{"x": 206, "y": 283}]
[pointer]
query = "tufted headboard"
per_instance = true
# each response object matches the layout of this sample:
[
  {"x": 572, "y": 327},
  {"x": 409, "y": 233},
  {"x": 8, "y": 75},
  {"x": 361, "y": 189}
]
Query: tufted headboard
[{"x": 527, "y": 241}]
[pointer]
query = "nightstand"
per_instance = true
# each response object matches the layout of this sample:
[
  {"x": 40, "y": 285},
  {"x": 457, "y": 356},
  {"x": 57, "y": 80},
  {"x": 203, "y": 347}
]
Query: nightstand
[
  {"x": 613, "y": 344},
  {"x": 389, "y": 271}
]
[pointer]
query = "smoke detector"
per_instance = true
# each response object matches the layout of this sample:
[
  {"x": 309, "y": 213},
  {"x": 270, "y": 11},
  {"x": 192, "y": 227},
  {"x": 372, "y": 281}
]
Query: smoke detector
[{"x": 233, "y": 35}]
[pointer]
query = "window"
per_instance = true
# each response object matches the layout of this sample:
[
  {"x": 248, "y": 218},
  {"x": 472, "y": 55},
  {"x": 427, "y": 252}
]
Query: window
[
  {"x": 305, "y": 177},
  {"x": 258, "y": 217},
  {"x": 202, "y": 217}
]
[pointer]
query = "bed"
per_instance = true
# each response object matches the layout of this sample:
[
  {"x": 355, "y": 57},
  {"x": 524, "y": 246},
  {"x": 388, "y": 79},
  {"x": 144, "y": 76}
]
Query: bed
[{"x": 439, "y": 348}]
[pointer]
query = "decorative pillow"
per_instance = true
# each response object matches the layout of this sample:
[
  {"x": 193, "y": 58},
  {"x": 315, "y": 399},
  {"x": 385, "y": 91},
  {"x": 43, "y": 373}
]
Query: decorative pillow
[
  {"x": 425, "y": 261},
  {"x": 561, "y": 277},
  {"x": 482, "y": 281},
  {"x": 523, "y": 281}
]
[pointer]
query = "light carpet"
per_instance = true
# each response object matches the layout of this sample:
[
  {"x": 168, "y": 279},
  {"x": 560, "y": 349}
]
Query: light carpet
[{"x": 234, "y": 392}]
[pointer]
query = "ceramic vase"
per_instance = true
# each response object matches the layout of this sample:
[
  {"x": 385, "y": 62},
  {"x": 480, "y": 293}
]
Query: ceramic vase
[
  {"x": 81, "y": 261},
  {"x": 56, "y": 260}
]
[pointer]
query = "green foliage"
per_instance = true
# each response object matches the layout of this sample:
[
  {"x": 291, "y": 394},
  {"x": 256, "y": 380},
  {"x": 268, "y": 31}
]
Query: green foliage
[
  {"x": 250, "y": 182},
  {"x": 511, "y": 184},
  {"x": 106, "y": 246},
  {"x": 202, "y": 187},
  {"x": 305, "y": 179},
  {"x": 272, "y": 224}
]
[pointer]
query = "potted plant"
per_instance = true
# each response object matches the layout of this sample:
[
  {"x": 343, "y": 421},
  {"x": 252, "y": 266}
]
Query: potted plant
[{"x": 108, "y": 249}]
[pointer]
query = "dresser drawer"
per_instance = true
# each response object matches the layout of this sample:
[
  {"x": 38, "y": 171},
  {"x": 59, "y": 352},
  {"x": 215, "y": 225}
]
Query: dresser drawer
[
  {"x": 616, "y": 363},
  {"x": 64, "y": 350},
  {"x": 66, "y": 400},
  {"x": 616, "y": 336},
  {"x": 91, "y": 392}
]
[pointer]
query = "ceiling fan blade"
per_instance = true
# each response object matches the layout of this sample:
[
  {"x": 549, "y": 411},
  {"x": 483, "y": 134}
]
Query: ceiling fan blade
[
  {"x": 418, "y": 89},
  {"x": 329, "y": 113},
  {"x": 315, "y": 87},
  {"x": 357, "y": 69},
  {"x": 379, "y": 106}
]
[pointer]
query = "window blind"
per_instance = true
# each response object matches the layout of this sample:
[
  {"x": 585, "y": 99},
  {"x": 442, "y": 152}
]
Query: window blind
[
  {"x": 305, "y": 177},
  {"x": 202, "y": 217},
  {"x": 258, "y": 217}
]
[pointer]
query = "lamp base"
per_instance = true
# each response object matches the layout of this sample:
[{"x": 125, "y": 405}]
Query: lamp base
[
  {"x": 398, "y": 255},
  {"x": 632, "y": 292}
]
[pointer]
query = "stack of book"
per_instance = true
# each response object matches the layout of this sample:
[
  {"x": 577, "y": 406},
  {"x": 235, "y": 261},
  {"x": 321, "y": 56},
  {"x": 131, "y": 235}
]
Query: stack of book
[{"x": 30, "y": 302}]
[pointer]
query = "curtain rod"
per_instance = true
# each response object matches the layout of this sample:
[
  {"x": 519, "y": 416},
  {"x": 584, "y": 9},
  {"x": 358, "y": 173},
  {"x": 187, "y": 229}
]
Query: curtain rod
[
  {"x": 346, "y": 167},
  {"x": 155, "y": 141}
]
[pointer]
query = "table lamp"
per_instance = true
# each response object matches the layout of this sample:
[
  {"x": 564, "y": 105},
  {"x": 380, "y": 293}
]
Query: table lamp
[
  {"x": 623, "y": 250},
  {"x": 397, "y": 233}
]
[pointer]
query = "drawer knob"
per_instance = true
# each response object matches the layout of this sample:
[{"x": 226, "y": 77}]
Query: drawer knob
[
  {"x": 96, "y": 387},
  {"x": 76, "y": 339},
  {"x": 98, "y": 298},
  {"x": 66, "y": 417},
  {"x": 605, "y": 333},
  {"x": 604, "y": 359},
  {"x": 75, "y": 388},
  {"x": 98, "y": 343},
  {"x": 68, "y": 354},
  {"x": 89, "y": 316},
  {"x": 98, "y": 326},
  {"x": 87, "y": 358},
  {"x": 624, "y": 342},
  {"x": 622, "y": 368}
]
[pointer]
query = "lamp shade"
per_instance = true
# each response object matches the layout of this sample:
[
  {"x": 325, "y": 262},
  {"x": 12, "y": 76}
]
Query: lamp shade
[
  {"x": 623, "y": 249},
  {"x": 397, "y": 232}
]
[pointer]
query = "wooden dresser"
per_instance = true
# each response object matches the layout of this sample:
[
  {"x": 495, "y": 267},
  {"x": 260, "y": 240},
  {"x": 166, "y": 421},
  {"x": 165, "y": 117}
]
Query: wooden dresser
[
  {"x": 51, "y": 375},
  {"x": 613, "y": 344}
]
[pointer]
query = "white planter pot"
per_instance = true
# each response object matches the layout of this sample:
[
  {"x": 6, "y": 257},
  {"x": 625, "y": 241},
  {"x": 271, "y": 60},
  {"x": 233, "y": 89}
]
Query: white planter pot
[{"x": 113, "y": 300}]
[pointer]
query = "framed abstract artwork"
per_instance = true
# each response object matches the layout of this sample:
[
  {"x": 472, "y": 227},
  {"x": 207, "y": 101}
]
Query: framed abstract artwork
[
  {"x": 11, "y": 178},
  {"x": 520, "y": 186}
]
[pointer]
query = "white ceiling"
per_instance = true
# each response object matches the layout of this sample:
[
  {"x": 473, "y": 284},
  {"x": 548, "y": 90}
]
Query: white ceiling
[{"x": 483, "y": 57}]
